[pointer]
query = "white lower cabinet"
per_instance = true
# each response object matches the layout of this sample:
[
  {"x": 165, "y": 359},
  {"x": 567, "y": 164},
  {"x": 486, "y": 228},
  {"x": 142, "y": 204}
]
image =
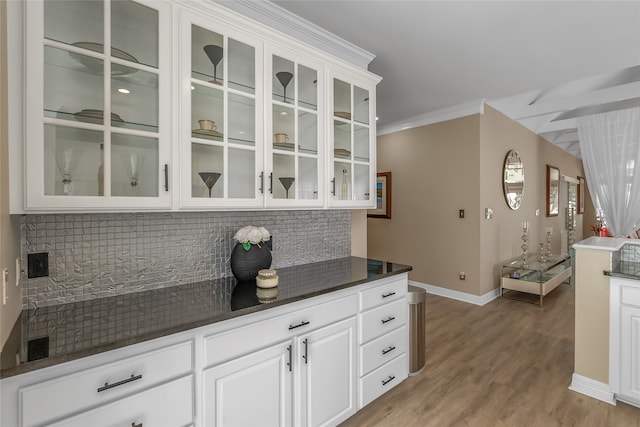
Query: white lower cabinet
[
  {"x": 252, "y": 390},
  {"x": 624, "y": 351},
  {"x": 170, "y": 404},
  {"x": 313, "y": 362},
  {"x": 327, "y": 375}
]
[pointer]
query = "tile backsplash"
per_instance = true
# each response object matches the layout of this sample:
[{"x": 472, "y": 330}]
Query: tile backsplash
[
  {"x": 100, "y": 255},
  {"x": 630, "y": 253}
]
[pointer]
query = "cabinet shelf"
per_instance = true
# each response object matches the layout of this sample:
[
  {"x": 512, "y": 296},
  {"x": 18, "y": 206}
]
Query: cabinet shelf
[{"x": 72, "y": 118}]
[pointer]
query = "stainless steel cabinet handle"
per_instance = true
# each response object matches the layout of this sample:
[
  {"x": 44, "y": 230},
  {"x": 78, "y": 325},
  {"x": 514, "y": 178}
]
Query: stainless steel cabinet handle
[
  {"x": 333, "y": 183},
  {"x": 166, "y": 177},
  {"x": 387, "y": 350},
  {"x": 387, "y": 320},
  {"x": 388, "y": 380},
  {"x": 136, "y": 425},
  {"x": 389, "y": 294},
  {"x": 271, "y": 183},
  {"x": 262, "y": 182},
  {"x": 306, "y": 349},
  {"x": 303, "y": 323},
  {"x": 107, "y": 386},
  {"x": 289, "y": 362}
]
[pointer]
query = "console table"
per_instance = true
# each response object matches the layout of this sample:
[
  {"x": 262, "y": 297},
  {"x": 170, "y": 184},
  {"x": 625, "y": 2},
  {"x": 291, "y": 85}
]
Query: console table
[{"x": 533, "y": 276}]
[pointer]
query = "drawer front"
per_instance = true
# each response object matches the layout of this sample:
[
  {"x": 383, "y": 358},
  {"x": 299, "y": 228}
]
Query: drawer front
[
  {"x": 390, "y": 290},
  {"x": 379, "y": 321},
  {"x": 630, "y": 295},
  {"x": 236, "y": 342},
  {"x": 383, "y": 379},
  {"x": 61, "y": 396},
  {"x": 381, "y": 350},
  {"x": 170, "y": 404}
]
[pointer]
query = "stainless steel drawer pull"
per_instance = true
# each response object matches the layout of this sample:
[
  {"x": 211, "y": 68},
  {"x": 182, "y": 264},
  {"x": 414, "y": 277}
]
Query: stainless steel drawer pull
[
  {"x": 388, "y": 380},
  {"x": 136, "y": 425},
  {"x": 387, "y": 295},
  {"x": 107, "y": 386},
  {"x": 387, "y": 350},
  {"x": 289, "y": 362},
  {"x": 303, "y": 323},
  {"x": 389, "y": 319},
  {"x": 306, "y": 351}
]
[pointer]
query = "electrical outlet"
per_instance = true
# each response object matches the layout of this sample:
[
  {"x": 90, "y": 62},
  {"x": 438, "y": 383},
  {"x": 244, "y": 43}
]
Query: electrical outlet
[
  {"x": 37, "y": 265},
  {"x": 461, "y": 275}
]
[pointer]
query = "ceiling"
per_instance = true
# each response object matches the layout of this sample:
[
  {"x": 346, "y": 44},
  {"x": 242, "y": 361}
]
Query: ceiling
[{"x": 542, "y": 63}]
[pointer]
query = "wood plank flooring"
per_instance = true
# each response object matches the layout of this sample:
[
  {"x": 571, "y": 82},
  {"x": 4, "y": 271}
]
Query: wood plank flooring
[{"x": 503, "y": 364}]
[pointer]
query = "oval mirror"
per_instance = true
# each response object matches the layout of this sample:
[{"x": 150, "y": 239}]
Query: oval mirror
[{"x": 513, "y": 179}]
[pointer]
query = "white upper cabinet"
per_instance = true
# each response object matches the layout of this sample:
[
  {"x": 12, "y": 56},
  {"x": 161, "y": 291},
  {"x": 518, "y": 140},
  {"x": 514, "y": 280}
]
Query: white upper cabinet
[
  {"x": 352, "y": 168},
  {"x": 97, "y": 105},
  {"x": 221, "y": 139},
  {"x": 295, "y": 135},
  {"x": 137, "y": 105}
]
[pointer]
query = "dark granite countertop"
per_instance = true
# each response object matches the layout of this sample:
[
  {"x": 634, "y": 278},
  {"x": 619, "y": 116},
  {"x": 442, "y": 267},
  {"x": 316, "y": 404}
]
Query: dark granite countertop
[
  {"x": 54, "y": 334},
  {"x": 626, "y": 270}
]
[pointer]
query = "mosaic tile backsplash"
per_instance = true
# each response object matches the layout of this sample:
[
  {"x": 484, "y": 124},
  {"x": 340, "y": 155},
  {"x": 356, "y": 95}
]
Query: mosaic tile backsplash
[
  {"x": 101, "y": 255},
  {"x": 630, "y": 253}
]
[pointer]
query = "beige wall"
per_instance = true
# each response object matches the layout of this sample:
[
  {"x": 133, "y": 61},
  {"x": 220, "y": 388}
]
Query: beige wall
[
  {"x": 435, "y": 173},
  {"x": 592, "y": 314},
  {"x": 9, "y": 226},
  {"x": 359, "y": 233},
  {"x": 441, "y": 168}
]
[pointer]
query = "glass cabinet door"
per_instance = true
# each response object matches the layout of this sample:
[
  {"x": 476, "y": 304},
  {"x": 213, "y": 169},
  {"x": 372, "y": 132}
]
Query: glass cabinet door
[
  {"x": 222, "y": 161},
  {"x": 352, "y": 181},
  {"x": 294, "y": 133},
  {"x": 101, "y": 91}
]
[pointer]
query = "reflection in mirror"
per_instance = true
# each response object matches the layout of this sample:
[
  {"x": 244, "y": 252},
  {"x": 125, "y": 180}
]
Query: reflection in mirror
[
  {"x": 553, "y": 191},
  {"x": 513, "y": 179}
]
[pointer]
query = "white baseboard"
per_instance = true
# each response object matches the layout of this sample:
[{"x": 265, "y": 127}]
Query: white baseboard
[
  {"x": 592, "y": 388},
  {"x": 457, "y": 295}
]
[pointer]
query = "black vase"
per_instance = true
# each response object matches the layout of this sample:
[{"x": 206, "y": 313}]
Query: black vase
[{"x": 246, "y": 264}]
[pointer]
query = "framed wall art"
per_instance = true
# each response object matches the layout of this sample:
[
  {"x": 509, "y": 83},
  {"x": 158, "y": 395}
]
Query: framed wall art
[{"x": 383, "y": 197}]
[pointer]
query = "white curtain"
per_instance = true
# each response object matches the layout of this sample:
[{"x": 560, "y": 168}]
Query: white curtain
[{"x": 610, "y": 147}]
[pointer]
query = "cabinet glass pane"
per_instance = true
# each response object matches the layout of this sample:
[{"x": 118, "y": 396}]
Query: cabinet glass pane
[
  {"x": 72, "y": 161},
  {"x": 283, "y": 128},
  {"x": 74, "y": 21},
  {"x": 283, "y": 80},
  {"x": 134, "y": 101},
  {"x": 308, "y": 131},
  {"x": 71, "y": 91},
  {"x": 361, "y": 105},
  {"x": 284, "y": 172},
  {"x": 242, "y": 178},
  {"x": 134, "y": 166},
  {"x": 342, "y": 140},
  {"x": 307, "y": 88},
  {"x": 134, "y": 28},
  {"x": 308, "y": 178},
  {"x": 341, "y": 99},
  {"x": 342, "y": 174},
  {"x": 207, "y": 55},
  {"x": 207, "y": 113},
  {"x": 207, "y": 170},
  {"x": 242, "y": 123},
  {"x": 361, "y": 190},
  {"x": 361, "y": 143},
  {"x": 242, "y": 67}
]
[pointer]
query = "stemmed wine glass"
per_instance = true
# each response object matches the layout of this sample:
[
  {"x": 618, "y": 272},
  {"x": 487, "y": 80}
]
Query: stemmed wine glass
[
  {"x": 210, "y": 179},
  {"x": 67, "y": 161},
  {"x": 133, "y": 163},
  {"x": 284, "y": 77},
  {"x": 286, "y": 183},
  {"x": 215, "y": 54}
]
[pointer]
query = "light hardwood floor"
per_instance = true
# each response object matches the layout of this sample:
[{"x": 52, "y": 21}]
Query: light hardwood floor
[{"x": 503, "y": 364}]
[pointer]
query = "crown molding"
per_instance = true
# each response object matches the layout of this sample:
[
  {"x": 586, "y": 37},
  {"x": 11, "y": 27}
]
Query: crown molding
[
  {"x": 437, "y": 116},
  {"x": 299, "y": 28}
]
